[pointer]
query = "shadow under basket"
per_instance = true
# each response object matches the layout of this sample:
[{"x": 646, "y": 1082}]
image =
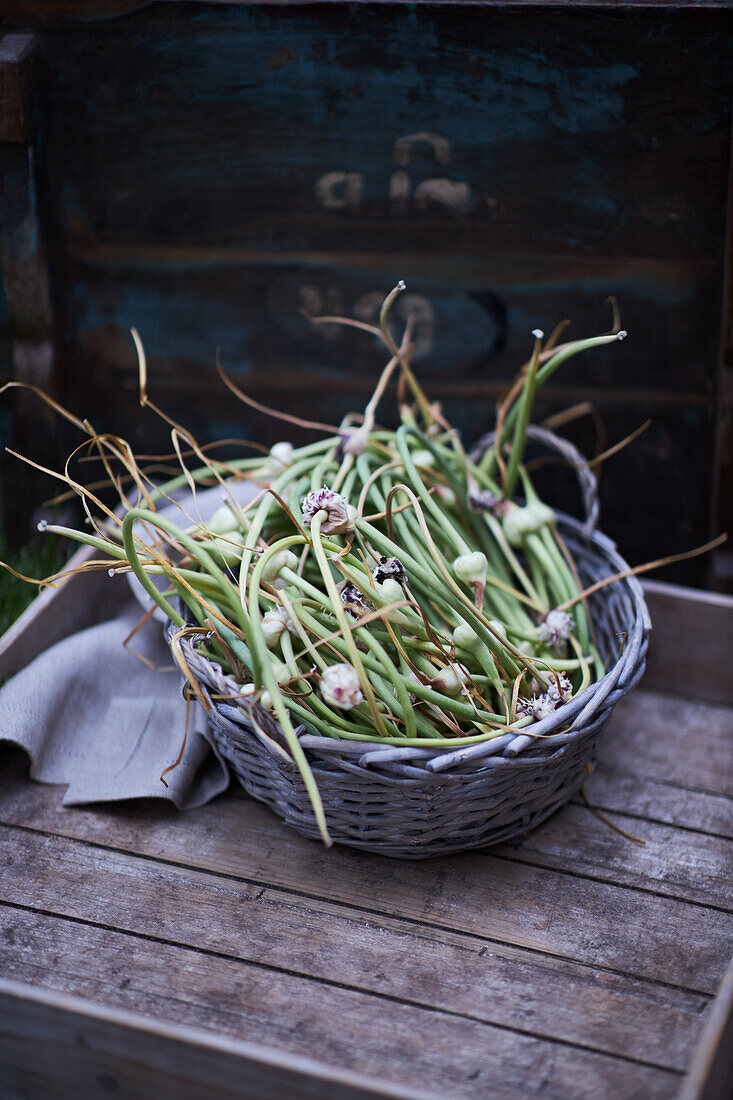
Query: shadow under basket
[{"x": 412, "y": 803}]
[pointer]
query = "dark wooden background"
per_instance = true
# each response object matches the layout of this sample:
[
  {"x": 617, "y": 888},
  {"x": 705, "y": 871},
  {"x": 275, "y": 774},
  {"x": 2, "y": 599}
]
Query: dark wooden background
[{"x": 206, "y": 172}]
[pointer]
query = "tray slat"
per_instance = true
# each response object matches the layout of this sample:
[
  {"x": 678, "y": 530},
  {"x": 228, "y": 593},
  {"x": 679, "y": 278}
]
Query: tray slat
[{"x": 551, "y": 963}]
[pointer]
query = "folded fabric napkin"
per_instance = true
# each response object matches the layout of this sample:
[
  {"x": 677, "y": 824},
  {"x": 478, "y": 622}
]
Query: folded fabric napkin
[{"x": 107, "y": 719}]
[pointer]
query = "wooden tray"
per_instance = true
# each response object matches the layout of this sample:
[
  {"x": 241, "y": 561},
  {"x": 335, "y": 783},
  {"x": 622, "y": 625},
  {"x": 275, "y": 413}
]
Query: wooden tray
[{"x": 217, "y": 954}]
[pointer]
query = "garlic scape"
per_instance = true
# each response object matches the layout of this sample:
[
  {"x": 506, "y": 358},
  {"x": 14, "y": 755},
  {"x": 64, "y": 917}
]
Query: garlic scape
[{"x": 381, "y": 587}]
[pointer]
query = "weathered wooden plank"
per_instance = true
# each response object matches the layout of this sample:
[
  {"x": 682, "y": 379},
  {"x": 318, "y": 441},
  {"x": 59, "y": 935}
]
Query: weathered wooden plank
[
  {"x": 53, "y": 1045},
  {"x": 492, "y": 300},
  {"x": 15, "y": 56},
  {"x": 407, "y": 1052},
  {"x": 711, "y": 1072},
  {"x": 266, "y": 1004},
  {"x": 671, "y": 861},
  {"x": 655, "y": 800},
  {"x": 461, "y": 975},
  {"x": 722, "y": 566},
  {"x": 254, "y": 70},
  {"x": 611, "y": 926},
  {"x": 669, "y": 738},
  {"x": 692, "y": 642}
]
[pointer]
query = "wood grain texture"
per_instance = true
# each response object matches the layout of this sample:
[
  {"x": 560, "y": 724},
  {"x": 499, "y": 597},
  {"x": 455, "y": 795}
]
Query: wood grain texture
[
  {"x": 561, "y": 914},
  {"x": 336, "y": 1014},
  {"x": 674, "y": 740},
  {"x": 572, "y": 964},
  {"x": 680, "y": 864},
  {"x": 692, "y": 642},
  {"x": 489, "y": 983},
  {"x": 645, "y": 799},
  {"x": 55, "y": 1046},
  {"x": 711, "y": 1072},
  {"x": 427, "y": 1051}
]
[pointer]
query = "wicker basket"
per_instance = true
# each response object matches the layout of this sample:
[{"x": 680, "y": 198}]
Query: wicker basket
[{"x": 412, "y": 803}]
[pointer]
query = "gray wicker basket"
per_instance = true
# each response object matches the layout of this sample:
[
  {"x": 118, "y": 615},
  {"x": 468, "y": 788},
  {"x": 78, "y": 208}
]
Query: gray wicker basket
[{"x": 412, "y": 803}]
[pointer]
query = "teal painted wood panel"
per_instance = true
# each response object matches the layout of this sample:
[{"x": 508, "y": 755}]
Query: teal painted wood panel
[{"x": 213, "y": 172}]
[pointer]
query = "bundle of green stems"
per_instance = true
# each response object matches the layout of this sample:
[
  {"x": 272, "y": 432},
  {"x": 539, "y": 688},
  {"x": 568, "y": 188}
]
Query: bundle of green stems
[{"x": 381, "y": 586}]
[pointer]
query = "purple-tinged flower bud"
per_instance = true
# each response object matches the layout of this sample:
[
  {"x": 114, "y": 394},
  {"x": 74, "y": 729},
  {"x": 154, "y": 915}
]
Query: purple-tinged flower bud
[
  {"x": 340, "y": 687},
  {"x": 483, "y": 500},
  {"x": 555, "y": 627},
  {"x": 542, "y": 706},
  {"x": 559, "y": 694},
  {"x": 338, "y": 518},
  {"x": 389, "y": 567},
  {"x": 354, "y": 600}
]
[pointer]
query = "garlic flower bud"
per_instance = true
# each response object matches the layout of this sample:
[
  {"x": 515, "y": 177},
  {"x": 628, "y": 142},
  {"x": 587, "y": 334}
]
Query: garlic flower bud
[
  {"x": 388, "y": 592},
  {"x": 555, "y": 627},
  {"x": 543, "y": 705},
  {"x": 274, "y": 622},
  {"x": 223, "y": 521},
  {"x": 283, "y": 559},
  {"x": 354, "y": 600},
  {"x": 229, "y": 547},
  {"x": 471, "y": 568},
  {"x": 423, "y": 459},
  {"x": 277, "y": 462},
  {"x": 450, "y": 680},
  {"x": 389, "y": 567},
  {"x": 282, "y": 453},
  {"x": 281, "y": 671},
  {"x": 466, "y": 637},
  {"x": 340, "y": 687},
  {"x": 528, "y": 520},
  {"x": 339, "y": 515},
  {"x": 357, "y": 441}
]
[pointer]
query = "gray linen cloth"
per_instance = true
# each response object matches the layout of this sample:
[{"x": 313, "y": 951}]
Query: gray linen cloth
[{"x": 92, "y": 715}]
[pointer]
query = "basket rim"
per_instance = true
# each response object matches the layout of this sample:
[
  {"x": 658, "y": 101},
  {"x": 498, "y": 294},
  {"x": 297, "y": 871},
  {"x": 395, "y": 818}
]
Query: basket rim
[{"x": 541, "y": 740}]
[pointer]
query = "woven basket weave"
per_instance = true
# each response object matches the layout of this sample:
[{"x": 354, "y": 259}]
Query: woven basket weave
[{"x": 412, "y": 803}]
